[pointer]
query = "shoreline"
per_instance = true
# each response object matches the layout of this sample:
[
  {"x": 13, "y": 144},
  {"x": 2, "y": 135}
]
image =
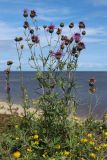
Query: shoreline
[{"x": 17, "y": 109}]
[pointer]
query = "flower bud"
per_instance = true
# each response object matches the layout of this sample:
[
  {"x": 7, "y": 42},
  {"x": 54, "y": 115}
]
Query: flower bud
[
  {"x": 7, "y": 71},
  {"x": 33, "y": 14},
  {"x": 80, "y": 46},
  {"x": 81, "y": 25},
  {"x": 58, "y": 31},
  {"x": 92, "y": 90},
  {"x": 9, "y": 63},
  {"x": 71, "y": 25},
  {"x": 25, "y": 13},
  {"x": 61, "y": 24},
  {"x": 44, "y": 26},
  {"x": 51, "y": 30},
  {"x": 62, "y": 46},
  {"x": 26, "y": 25},
  {"x": 31, "y": 31},
  {"x": 67, "y": 42},
  {"x": 83, "y": 32}
]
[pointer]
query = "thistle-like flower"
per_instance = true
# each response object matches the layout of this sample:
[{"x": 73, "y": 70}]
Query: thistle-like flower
[
  {"x": 9, "y": 63},
  {"x": 18, "y": 39},
  {"x": 80, "y": 46},
  {"x": 51, "y": 28},
  {"x": 92, "y": 88},
  {"x": 35, "y": 39},
  {"x": 25, "y": 13},
  {"x": 77, "y": 37},
  {"x": 81, "y": 25},
  {"x": 61, "y": 24},
  {"x": 31, "y": 31},
  {"x": 92, "y": 82},
  {"x": 33, "y": 14},
  {"x": 59, "y": 30},
  {"x": 83, "y": 33},
  {"x": 26, "y": 25},
  {"x": 71, "y": 25}
]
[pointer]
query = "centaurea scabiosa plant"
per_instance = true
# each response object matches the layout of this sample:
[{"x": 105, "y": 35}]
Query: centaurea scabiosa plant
[
  {"x": 53, "y": 51},
  {"x": 25, "y": 98},
  {"x": 92, "y": 91},
  {"x": 8, "y": 88}
]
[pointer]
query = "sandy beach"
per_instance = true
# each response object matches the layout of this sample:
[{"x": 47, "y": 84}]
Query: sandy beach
[{"x": 17, "y": 109}]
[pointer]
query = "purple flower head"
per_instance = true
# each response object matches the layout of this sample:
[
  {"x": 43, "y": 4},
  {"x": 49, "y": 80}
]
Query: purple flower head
[
  {"x": 57, "y": 54},
  {"x": 51, "y": 28},
  {"x": 77, "y": 37},
  {"x": 35, "y": 39}
]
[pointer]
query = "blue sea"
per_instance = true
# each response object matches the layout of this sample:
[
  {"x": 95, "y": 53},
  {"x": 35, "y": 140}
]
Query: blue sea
[{"x": 99, "y": 100}]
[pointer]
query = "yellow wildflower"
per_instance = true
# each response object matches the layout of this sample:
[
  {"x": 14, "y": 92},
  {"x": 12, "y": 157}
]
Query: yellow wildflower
[
  {"x": 36, "y": 136},
  {"x": 98, "y": 148},
  {"x": 36, "y": 142},
  {"x": 89, "y": 135},
  {"x": 66, "y": 153},
  {"x": 93, "y": 155},
  {"x": 29, "y": 150},
  {"x": 84, "y": 140},
  {"x": 82, "y": 159},
  {"x": 105, "y": 116},
  {"x": 104, "y": 145},
  {"x": 17, "y": 138},
  {"x": 58, "y": 146},
  {"x": 16, "y": 126},
  {"x": 91, "y": 142},
  {"x": 105, "y": 134},
  {"x": 45, "y": 154},
  {"x": 17, "y": 154}
]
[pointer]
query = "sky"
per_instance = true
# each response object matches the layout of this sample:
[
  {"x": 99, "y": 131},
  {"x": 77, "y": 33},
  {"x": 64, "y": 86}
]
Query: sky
[{"x": 92, "y": 12}]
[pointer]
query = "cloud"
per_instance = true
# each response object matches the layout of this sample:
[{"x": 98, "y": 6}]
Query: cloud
[
  {"x": 96, "y": 35},
  {"x": 95, "y": 40},
  {"x": 99, "y": 2},
  {"x": 8, "y": 32},
  {"x": 92, "y": 66},
  {"x": 96, "y": 31},
  {"x": 97, "y": 14},
  {"x": 53, "y": 18}
]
